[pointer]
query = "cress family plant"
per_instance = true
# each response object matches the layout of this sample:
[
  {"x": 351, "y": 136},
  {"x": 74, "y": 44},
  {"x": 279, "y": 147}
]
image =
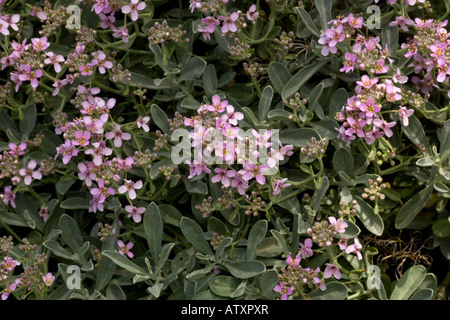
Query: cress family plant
[{"x": 224, "y": 149}]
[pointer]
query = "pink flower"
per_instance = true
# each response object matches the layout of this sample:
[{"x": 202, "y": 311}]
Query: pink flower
[
  {"x": 339, "y": 225},
  {"x": 350, "y": 61},
  {"x": 342, "y": 243},
  {"x": 100, "y": 61},
  {"x": 134, "y": 8},
  {"x": 40, "y": 44},
  {"x": 217, "y": 105},
  {"x": 251, "y": 170},
  {"x": 239, "y": 183},
  {"x": 403, "y": 22},
  {"x": 54, "y": 60},
  {"x": 404, "y": 114},
  {"x": 99, "y": 149},
  {"x": 197, "y": 168},
  {"x": 381, "y": 67},
  {"x": 17, "y": 149},
  {"x": 355, "y": 22},
  {"x": 31, "y": 75},
  {"x": 121, "y": 33},
  {"x": 231, "y": 116},
  {"x": 135, "y": 212},
  {"x": 48, "y": 279},
  {"x": 355, "y": 247},
  {"x": 9, "y": 196},
  {"x": 100, "y": 6},
  {"x": 370, "y": 109},
  {"x": 331, "y": 270},
  {"x": 252, "y": 14},
  {"x": 385, "y": 126},
  {"x": 284, "y": 290},
  {"x": 142, "y": 123},
  {"x": 125, "y": 249},
  {"x": 7, "y": 291},
  {"x": 67, "y": 150},
  {"x": 130, "y": 187},
  {"x": 9, "y": 263},
  {"x": 305, "y": 248},
  {"x": 101, "y": 192},
  {"x": 355, "y": 127},
  {"x": 107, "y": 21},
  {"x": 229, "y": 22},
  {"x": 104, "y": 108},
  {"x": 293, "y": 262},
  {"x": 223, "y": 175},
  {"x": 279, "y": 185},
  {"x": 81, "y": 138},
  {"x": 398, "y": 77},
  {"x": 87, "y": 173},
  {"x": 211, "y": 24},
  {"x": 87, "y": 69},
  {"x": 29, "y": 172},
  {"x": 118, "y": 136},
  {"x": 366, "y": 82}
]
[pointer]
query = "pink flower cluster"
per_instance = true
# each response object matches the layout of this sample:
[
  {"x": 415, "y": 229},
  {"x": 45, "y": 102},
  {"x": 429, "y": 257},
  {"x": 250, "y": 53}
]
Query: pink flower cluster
[
  {"x": 340, "y": 30},
  {"x": 107, "y": 9},
  {"x": 361, "y": 115},
  {"x": 431, "y": 52},
  {"x": 216, "y": 130},
  {"x": 87, "y": 135}
]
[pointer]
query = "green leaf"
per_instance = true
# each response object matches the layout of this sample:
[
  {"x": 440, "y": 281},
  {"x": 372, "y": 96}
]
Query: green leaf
[
  {"x": 115, "y": 292},
  {"x": 337, "y": 101},
  {"x": 210, "y": 80},
  {"x": 7, "y": 124},
  {"x": 319, "y": 193},
  {"x": 195, "y": 187},
  {"x": 300, "y": 78},
  {"x": 334, "y": 291},
  {"x": 298, "y": 137},
  {"x": 75, "y": 203},
  {"x": 57, "y": 250},
  {"x": 70, "y": 232},
  {"x": 104, "y": 273},
  {"x": 343, "y": 161},
  {"x": 441, "y": 228},
  {"x": 408, "y": 283},
  {"x": 424, "y": 294},
  {"x": 269, "y": 280},
  {"x": 265, "y": 103},
  {"x": 224, "y": 286},
  {"x": 412, "y": 207},
  {"x": 366, "y": 214},
  {"x": 326, "y": 128},
  {"x": 160, "y": 118},
  {"x": 193, "y": 69},
  {"x": 389, "y": 37},
  {"x": 12, "y": 219},
  {"x": 444, "y": 137},
  {"x": 170, "y": 214},
  {"x": 28, "y": 122},
  {"x": 195, "y": 235},
  {"x": 324, "y": 8},
  {"x": 245, "y": 269},
  {"x": 278, "y": 75},
  {"x": 153, "y": 228},
  {"x": 414, "y": 131},
  {"x": 255, "y": 236},
  {"x": 64, "y": 184},
  {"x": 122, "y": 261},
  {"x": 306, "y": 18}
]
